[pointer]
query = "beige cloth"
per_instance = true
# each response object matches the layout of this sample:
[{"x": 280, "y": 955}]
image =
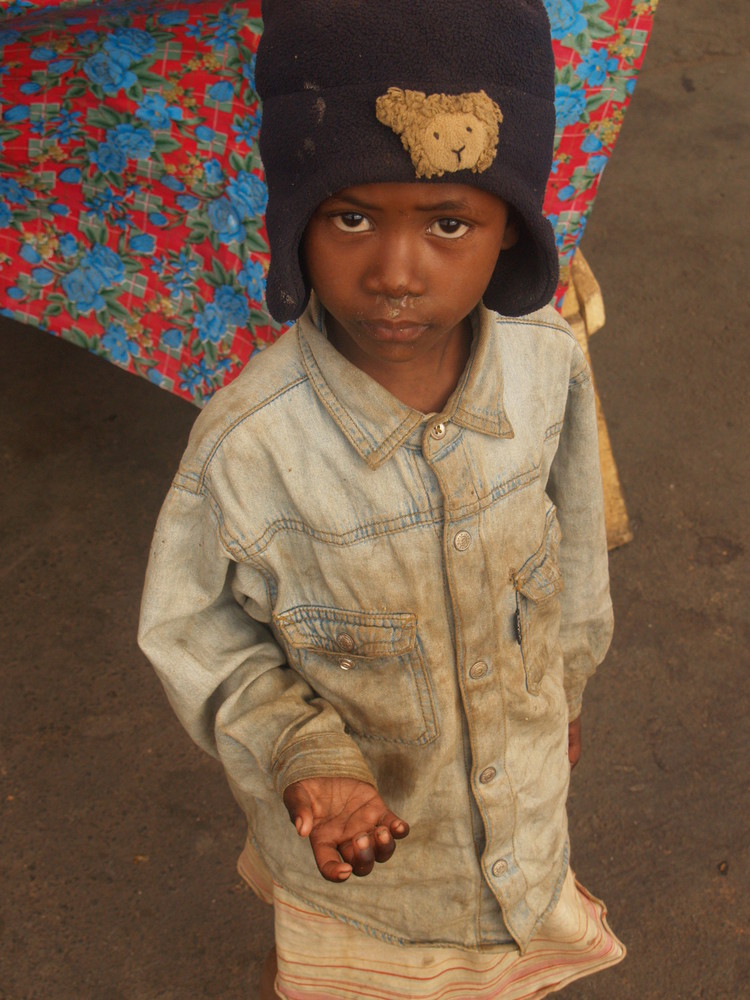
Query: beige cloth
[{"x": 321, "y": 958}]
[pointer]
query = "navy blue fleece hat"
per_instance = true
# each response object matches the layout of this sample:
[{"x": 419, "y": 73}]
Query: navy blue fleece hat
[{"x": 366, "y": 91}]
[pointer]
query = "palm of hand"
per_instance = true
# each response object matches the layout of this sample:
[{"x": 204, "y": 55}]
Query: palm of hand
[{"x": 345, "y": 819}]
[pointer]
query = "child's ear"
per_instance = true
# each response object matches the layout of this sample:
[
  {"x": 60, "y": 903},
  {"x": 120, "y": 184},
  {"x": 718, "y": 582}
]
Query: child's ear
[{"x": 512, "y": 230}]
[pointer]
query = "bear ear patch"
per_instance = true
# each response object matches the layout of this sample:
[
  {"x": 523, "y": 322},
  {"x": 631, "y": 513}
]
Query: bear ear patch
[{"x": 443, "y": 133}]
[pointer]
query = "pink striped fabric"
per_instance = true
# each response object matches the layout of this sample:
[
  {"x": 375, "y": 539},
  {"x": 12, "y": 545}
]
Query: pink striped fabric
[{"x": 321, "y": 958}]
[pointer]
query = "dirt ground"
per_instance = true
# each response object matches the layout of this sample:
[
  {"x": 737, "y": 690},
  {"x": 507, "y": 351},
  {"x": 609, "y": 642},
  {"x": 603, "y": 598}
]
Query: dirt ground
[{"x": 119, "y": 837}]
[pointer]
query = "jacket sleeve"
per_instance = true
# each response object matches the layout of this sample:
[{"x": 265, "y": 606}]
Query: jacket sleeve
[
  {"x": 204, "y": 628},
  {"x": 575, "y": 486}
]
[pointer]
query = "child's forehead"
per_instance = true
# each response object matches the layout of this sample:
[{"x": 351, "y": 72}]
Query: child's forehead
[{"x": 416, "y": 196}]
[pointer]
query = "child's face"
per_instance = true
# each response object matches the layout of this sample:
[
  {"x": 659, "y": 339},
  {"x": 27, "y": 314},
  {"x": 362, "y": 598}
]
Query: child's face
[{"x": 399, "y": 267}]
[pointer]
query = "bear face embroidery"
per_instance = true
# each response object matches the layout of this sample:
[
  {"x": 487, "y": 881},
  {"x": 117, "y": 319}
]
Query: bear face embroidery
[{"x": 443, "y": 133}]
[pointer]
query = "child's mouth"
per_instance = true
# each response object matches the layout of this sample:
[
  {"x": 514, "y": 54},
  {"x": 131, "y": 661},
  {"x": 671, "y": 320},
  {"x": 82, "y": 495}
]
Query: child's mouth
[{"x": 397, "y": 331}]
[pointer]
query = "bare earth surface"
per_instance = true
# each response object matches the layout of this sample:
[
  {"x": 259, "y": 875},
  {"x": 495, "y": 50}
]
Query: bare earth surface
[{"x": 119, "y": 837}]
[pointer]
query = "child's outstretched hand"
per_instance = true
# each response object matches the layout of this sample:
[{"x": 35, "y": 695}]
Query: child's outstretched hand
[{"x": 344, "y": 818}]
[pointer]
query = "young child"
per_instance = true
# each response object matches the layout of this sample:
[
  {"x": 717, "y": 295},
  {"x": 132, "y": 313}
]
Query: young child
[{"x": 379, "y": 582}]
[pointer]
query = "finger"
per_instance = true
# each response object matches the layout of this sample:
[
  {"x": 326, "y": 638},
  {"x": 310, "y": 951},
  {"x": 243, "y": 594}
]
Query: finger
[
  {"x": 330, "y": 865},
  {"x": 399, "y": 828},
  {"x": 384, "y": 844},
  {"x": 297, "y": 803},
  {"x": 335, "y": 871},
  {"x": 360, "y": 853}
]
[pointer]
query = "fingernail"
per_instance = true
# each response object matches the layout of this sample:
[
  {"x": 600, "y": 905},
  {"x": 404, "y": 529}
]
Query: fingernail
[
  {"x": 383, "y": 836},
  {"x": 298, "y": 824},
  {"x": 363, "y": 841}
]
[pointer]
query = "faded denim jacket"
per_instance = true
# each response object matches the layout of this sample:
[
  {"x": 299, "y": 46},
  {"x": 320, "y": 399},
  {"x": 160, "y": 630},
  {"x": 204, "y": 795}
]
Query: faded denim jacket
[{"x": 341, "y": 585}]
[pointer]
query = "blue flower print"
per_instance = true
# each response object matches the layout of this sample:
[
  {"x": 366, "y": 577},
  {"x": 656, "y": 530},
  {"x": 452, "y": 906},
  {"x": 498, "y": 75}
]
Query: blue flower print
[
  {"x": 8, "y": 36},
  {"x": 591, "y": 144},
  {"x": 252, "y": 278},
  {"x": 108, "y": 73},
  {"x": 183, "y": 277},
  {"x": 224, "y": 220},
  {"x": 16, "y": 293},
  {"x": 210, "y": 324},
  {"x": 57, "y": 208},
  {"x": 212, "y": 172},
  {"x": 41, "y": 54},
  {"x": 82, "y": 291},
  {"x": 158, "y": 219},
  {"x": 596, "y": 67},
  {"x": 248, "y": 194},
  {"x": 232, "y": 305},
  {"x": 42, "y": 275},
  {"x": 156, "y": 378},
  {"x": 221, "y": 91},
  {"x": 248, "y": 71},
  {"x": 204, "y": 133},
  {"x": 596, "y": 164},
  {"x": 246, "y": 129},
  {"x": 172, "y": 337},
  {"x": 127, "y": 45},
  {"x": 30, "y": 88},
  {"x": 12, "y": 190},
  {"x": 71, "y": 175},
  {"x": 60, "y": 66},
  {"x": 109, "y": 157},
  {"x": 105, "y": 264},
  {"x": 565, "y": 17},
  {"x": 195, "y": 30},
  {"x": 29, "y": 254},
  {"x": 116, "y": 341},
  {"x": 68, "y": 245},
  {"x": 569, "y": 104},
  {"x": 226, "y": 30},
  {"x": 172, "y": 183},
  {"x": 187, "y": 201},
  {"x": 173, "y": 17},
  {"x": 142, "y": 243},
  {"x": 67, "y": 125},
  {"x": 137, "y": 143},
  {"x": 6, "y": 216},
  {"x": 566, "y": 193},
  {"x": 155, "y": 112},
  {"x": 18, "y": 113},
  {"x": 86, "y": 37}
]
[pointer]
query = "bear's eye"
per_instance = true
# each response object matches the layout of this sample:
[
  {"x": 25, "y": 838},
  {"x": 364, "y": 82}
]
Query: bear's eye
[
  {"x": 436, "y": 134},
  {"x": 468, "y": 128}
]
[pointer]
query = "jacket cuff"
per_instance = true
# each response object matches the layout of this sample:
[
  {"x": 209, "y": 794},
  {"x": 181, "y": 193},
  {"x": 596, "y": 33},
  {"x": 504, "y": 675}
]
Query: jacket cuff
[{"x": 330, "y": 755}]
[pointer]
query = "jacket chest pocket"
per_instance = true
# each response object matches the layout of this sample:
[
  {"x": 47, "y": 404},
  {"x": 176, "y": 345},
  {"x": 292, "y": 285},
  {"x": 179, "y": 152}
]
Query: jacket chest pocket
[
  {"x": 368, "y": 666},
  {"x": 537, "y": 618}
]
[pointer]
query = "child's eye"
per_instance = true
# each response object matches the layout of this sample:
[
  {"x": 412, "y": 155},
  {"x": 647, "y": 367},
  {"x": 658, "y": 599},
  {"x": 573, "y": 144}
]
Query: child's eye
[
  {"x": 451, "y": 229},
  {"x": 351, "y": 222}
]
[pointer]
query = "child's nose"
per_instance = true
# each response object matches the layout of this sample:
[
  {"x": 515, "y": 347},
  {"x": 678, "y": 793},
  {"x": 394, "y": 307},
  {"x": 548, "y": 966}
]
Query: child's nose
[{"x": 396, "y": 270}]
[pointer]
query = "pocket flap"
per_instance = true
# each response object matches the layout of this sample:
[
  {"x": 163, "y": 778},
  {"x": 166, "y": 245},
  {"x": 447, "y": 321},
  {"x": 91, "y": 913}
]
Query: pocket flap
[
  {"x": 540, "y": 576},
  {"x": 356, "y": 633}
]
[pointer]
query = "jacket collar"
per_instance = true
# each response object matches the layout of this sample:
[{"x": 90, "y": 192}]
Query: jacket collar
[{"x": 374, "y": 421}]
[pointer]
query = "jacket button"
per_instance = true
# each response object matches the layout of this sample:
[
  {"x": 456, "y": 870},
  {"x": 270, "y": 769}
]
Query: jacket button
[
  {"x": 478, "y": 669},
  {"x": 438, "y": 431},
  {"x": 500, "y": 868},
  {"x": 462, "y": 541},
  {"x": 345, "y": 663},
  {"x": 487, "y": 775},
  {"x": 345, "y": 642}
]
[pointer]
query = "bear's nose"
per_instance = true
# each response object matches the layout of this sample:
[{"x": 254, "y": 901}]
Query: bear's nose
[{"x": 458, "y": 152}]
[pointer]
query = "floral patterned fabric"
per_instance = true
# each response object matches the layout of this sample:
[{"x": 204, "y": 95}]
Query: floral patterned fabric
[{"x": 132, "y": 196}]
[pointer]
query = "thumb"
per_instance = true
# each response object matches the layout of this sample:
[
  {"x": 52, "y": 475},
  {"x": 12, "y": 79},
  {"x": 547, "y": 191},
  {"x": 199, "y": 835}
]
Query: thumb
[{"x": 299, "y": 807}]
